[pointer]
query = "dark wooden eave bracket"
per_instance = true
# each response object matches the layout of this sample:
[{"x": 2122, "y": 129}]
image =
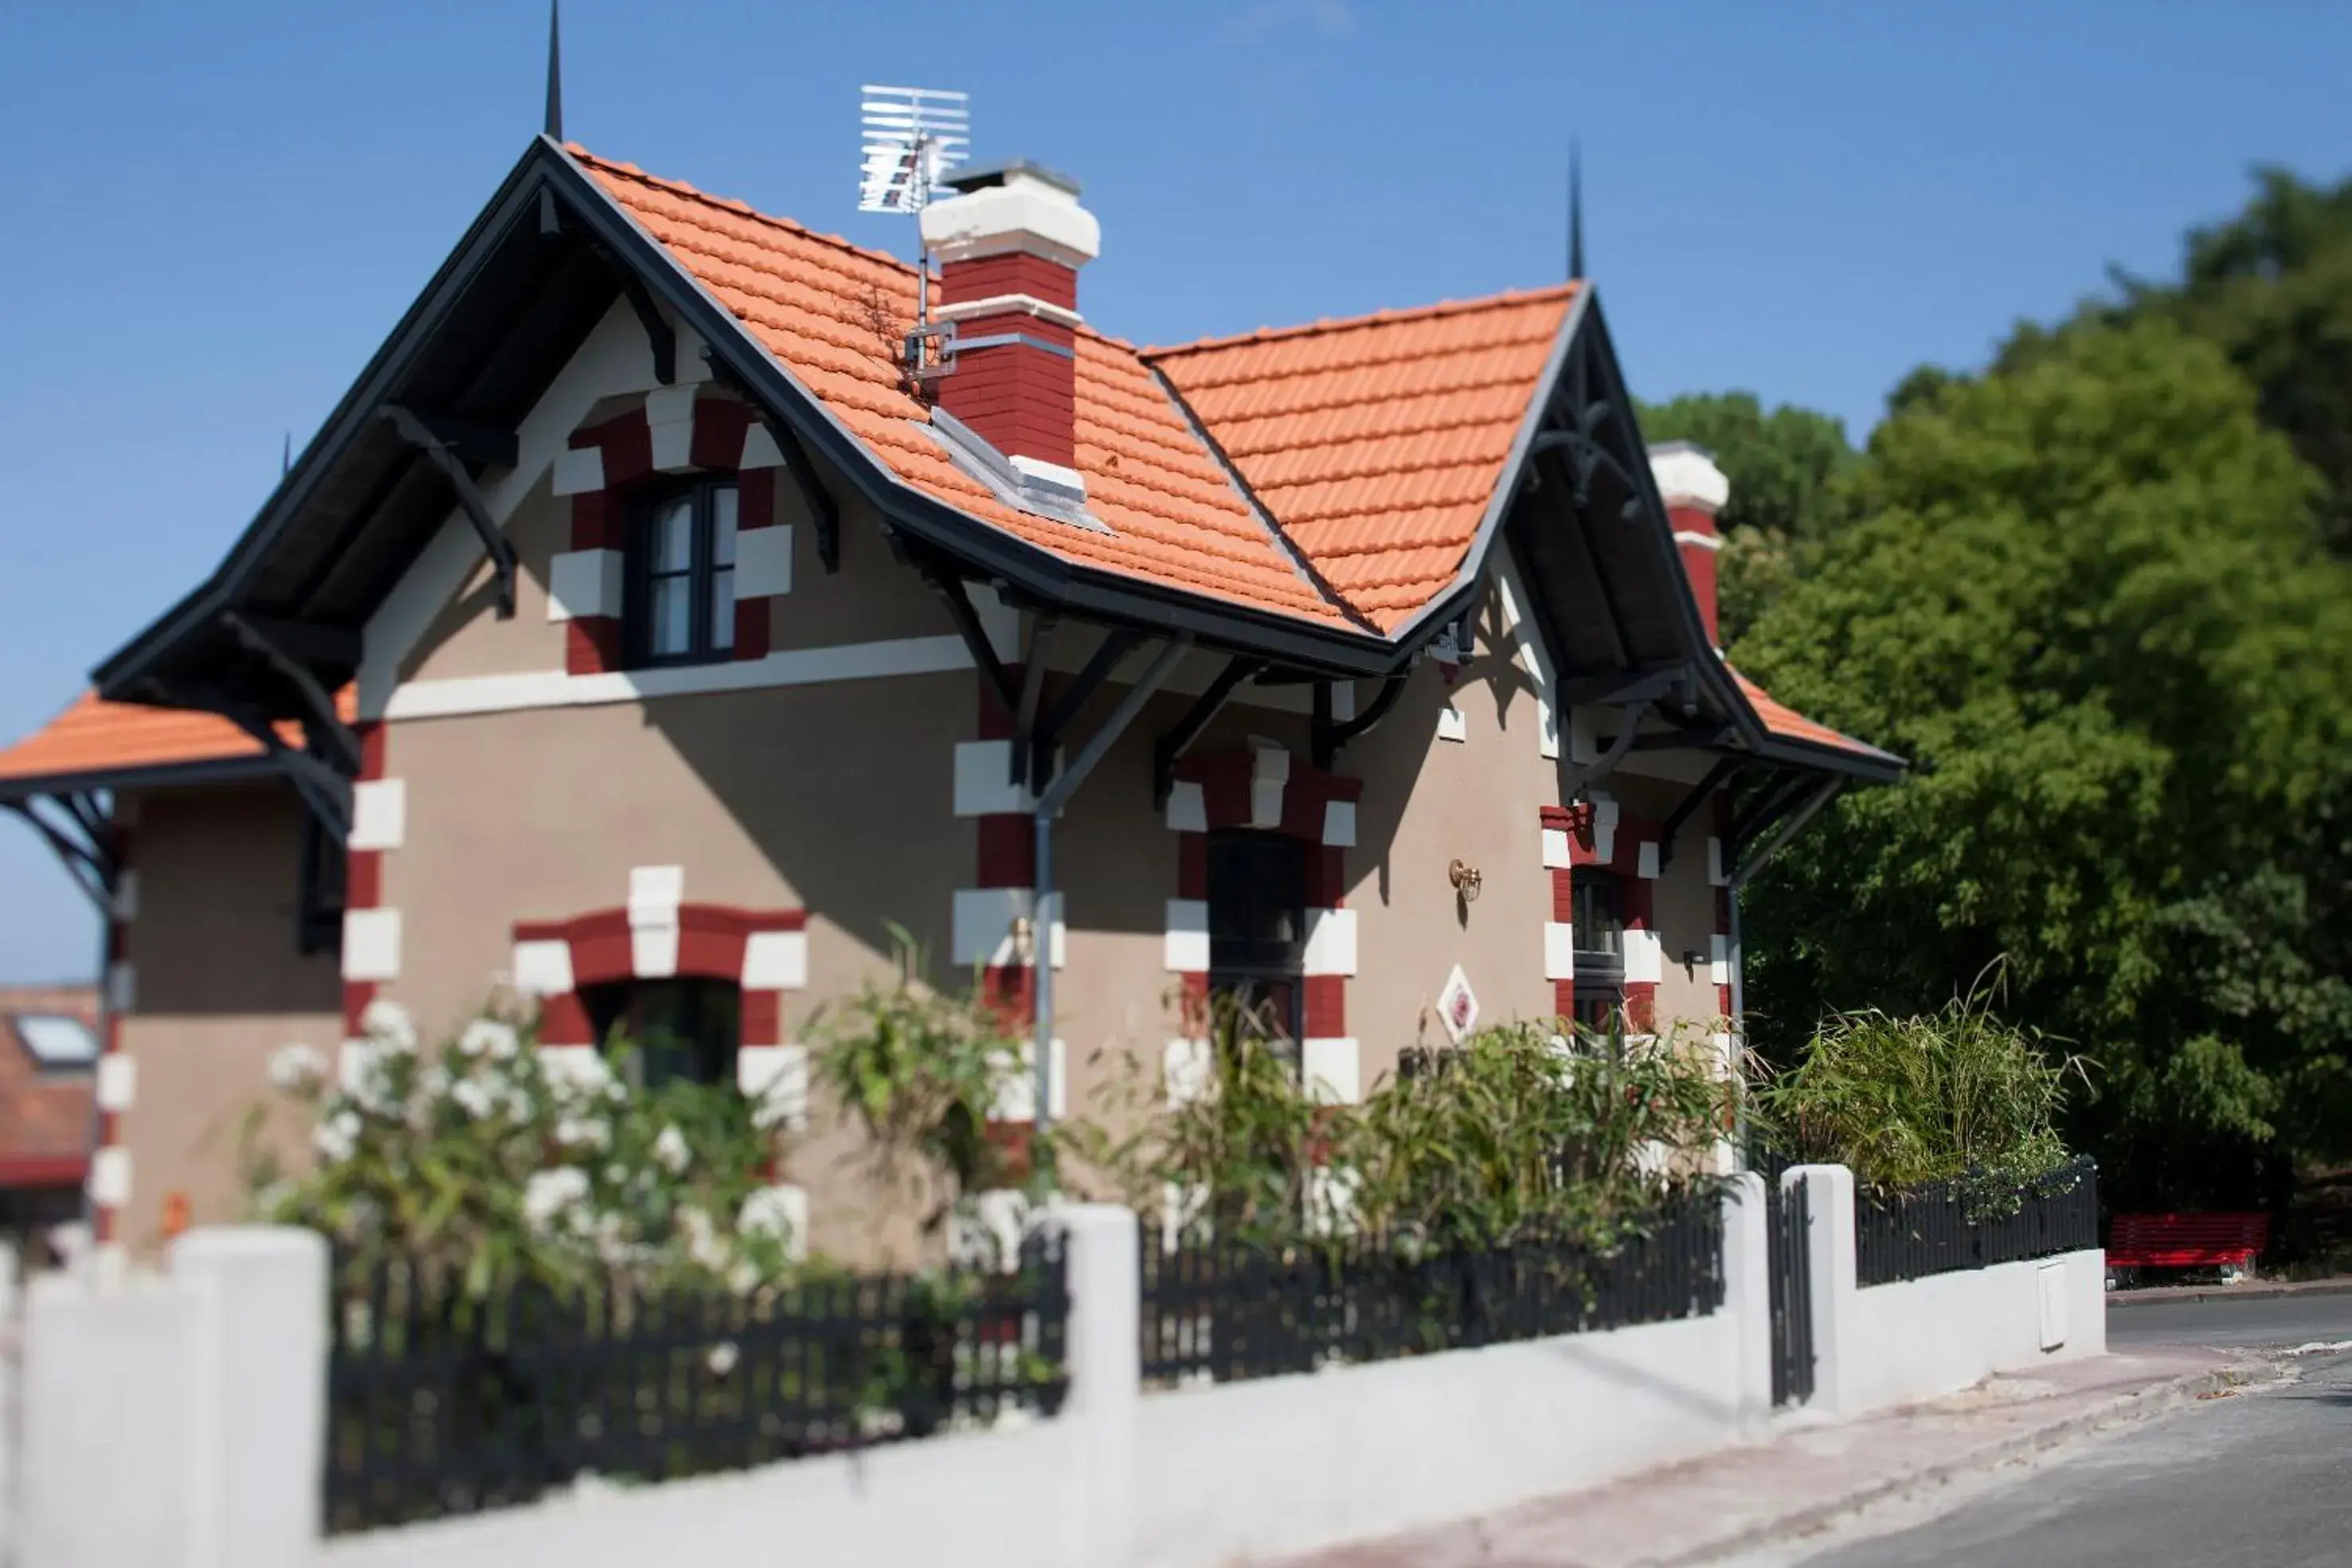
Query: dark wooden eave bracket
[
  {"x": 1170, "y": 748},
  {"x": 447, "y": 443},
  {"x": 822, "y": 506},
  {"x": 86, "y": 843},
  {"x": 1329, "y": 735}
]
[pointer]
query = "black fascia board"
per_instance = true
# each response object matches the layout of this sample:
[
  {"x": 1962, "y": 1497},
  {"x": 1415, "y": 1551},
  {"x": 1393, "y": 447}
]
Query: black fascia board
[{"x": 215, "y": 770}]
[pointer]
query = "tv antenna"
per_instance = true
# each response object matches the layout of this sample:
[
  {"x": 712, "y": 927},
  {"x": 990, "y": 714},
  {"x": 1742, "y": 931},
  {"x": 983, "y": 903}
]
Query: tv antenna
[{"x": 913, "y": 136}]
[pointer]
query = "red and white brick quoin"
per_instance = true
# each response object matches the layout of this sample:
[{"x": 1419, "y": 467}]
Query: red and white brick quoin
[
  {"x": 116, "y": 1086},
  {"x": 679, "y": 430},
  {"x": 1263, "y": 786},
  {"x": 1596, "y": 833}
]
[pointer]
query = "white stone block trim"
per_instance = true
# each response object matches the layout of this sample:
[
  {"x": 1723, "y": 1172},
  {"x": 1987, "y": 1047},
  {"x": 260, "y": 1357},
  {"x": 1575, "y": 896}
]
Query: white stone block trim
[
  {"x": 1016, "y": 1087},
  {"x": 669, "y": 417},
  {"x": 584, "y": 582},
  {"x": 653, "y": 951},
  {"x": 579, "y": 470},
  {"x": 1604, "y": 828},
  {"x": 777, "y": 1073},
  {"x": 379, "y": 814},
  {"x": 543, "y": 969},
  {"x": 125, "y": 906},
  {"x": 1331, "y": 942},
  {"x": 983, "y": 781},
  {"x": 764, "y": 561},
  {"x": 1187, "y": 809},
  {"x": 1340, "y": 823},
  {"x": 760, "y": 448},
  {"x": 1343, "y": 700},
  {"x": 655, "y": 894},
  {"x": 1556, "y": 855},
  {"x": 1187, "y": 1070},
  {"x": 121, "y": 988},
  {"x": 1645, "y": 862},
  {"x": 1333, "y": 1070},
  {"x": 1644, "y": 958},
  {"x": 1719, "y": 960},
  {"x": 1714, "y": 872},
  {"x": 117, "y": 1088},
  {"x": 1698, "y": 541},
  {"x": 775, "y": 961},
  {"x": 109, "y": 1178},
  {"x": 1452, "y": 725},
  {"x": 1269, "y": 776},
  {"x": 981, "y": 928},
  {"x": 1008, "y": 305},
  {"x": 1559, "y": 950},
  {"x": 371, "y": 945},
  {"x": 1187, "y": 935}
]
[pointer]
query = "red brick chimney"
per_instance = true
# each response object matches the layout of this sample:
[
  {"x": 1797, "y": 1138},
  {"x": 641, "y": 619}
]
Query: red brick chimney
[
  {"x": 1008, "y": 245},
  {"x": 1694, "y": 490}
]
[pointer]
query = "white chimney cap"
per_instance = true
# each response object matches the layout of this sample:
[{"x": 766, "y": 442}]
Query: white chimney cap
[
  {"x": 1688, "y": 477},
  {"x": 1012, "y": 207}
]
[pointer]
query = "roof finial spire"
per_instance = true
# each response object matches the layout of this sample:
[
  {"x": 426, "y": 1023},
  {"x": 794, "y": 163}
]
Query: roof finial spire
[
  {"x": 555, "y": 70},
  {"x": 1575, "y": 210}
]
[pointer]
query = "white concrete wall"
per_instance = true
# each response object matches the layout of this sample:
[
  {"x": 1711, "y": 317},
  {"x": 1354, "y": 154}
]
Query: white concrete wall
[
  {"x": 1290, "y": 1463},
  {"x": 1922, "y": 1338},
  {"x": 1882, "y": 1345}
]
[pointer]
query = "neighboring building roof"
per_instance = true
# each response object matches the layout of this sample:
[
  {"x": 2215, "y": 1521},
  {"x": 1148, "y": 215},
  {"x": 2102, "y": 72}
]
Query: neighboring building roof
[
  {"x": 1377, "y": 442},
  {"x": 45, "y": 1106},
  {"x": 103, "y": 740}
]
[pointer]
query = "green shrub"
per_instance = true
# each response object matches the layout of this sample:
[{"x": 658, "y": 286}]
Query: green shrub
[{"x": 1904, "y": 1101}]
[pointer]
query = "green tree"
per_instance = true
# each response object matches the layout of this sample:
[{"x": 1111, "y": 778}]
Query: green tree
[
  {"x": 2086, "y": 598},
  {"x": 2273, "y": 287},
  {"x": 1784, "y": 466}
]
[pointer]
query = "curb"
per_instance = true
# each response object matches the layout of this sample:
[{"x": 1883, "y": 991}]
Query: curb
[
  {"x": 2142, "y": 1404},
  {"x": 2160, "y": 1294}
]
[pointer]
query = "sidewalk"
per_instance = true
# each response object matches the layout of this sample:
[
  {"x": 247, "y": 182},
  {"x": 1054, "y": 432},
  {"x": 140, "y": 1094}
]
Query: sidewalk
[
  {"x": 2255, "y": 1290},
  {"x": 1806, "y": 1473}
]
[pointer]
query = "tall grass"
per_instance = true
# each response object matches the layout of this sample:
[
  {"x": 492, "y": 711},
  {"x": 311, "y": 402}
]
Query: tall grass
[{"x": 1903, "y": 1100}]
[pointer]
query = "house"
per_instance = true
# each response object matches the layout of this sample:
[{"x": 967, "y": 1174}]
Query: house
[
  {"x": 48, "y": 1057},
  {"x": 641, "y": 635}
]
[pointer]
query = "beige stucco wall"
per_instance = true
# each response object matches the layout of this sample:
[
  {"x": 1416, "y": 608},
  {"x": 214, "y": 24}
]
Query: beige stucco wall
[{"x": 219, "y": 987}]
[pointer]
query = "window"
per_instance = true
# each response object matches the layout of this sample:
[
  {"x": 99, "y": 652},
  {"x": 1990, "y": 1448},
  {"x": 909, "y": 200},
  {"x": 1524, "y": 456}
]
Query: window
[
  {"x": 680, "y": 601},
  {"x": 318, "y": 891},
  {"x": 59, "y": 1043},
  {"x": 1598, "y": 917},
  {"x": 1258, "y": 922},
  {"x": 686, "y": 1029}
]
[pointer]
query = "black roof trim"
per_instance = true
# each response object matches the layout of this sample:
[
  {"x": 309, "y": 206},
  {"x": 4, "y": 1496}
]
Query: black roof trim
[{"x": 165, "y": 775}]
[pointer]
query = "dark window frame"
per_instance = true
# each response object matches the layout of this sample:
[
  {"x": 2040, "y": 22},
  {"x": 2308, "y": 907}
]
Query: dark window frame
[
  {"x": 711, "y": 1051},
  {"x": 1259, "y": 968},
  {"x": 1598, "y": 899},
  {"x": 645, "y": 508},
  {"x": 322, "y": 872}
]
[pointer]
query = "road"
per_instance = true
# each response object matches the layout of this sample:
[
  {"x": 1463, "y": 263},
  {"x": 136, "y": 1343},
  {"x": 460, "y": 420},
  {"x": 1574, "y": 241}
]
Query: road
[{"x": 2261, "y": 1480}]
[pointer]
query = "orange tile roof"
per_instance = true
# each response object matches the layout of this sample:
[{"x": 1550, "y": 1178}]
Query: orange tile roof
[
  {"x": 1377, "y": 442},
  {"x": 94, "y": 736},
  {"x": 832, "y": 313},
  {"x": 1789, "y": 725}
]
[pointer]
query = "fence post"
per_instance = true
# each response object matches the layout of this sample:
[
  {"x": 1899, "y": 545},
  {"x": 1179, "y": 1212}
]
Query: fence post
[
  {"x": 1748, "y": 1293},
  {"x": 1105, "y": 1351},
  {"x": 263, "y": 1404},
  {"x": 1829, "y": 1246}
]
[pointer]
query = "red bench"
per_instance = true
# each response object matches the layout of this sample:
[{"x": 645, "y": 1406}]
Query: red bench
[{"x": 2187, "y": 1240}]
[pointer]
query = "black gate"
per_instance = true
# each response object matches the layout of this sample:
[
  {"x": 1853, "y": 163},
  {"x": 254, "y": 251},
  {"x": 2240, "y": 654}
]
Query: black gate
[{"x": 1787, "y": 1221}]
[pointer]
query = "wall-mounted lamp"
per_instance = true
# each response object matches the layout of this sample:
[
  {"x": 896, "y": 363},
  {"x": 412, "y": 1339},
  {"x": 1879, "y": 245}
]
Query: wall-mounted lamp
[{"x": 1465, "y": 878}]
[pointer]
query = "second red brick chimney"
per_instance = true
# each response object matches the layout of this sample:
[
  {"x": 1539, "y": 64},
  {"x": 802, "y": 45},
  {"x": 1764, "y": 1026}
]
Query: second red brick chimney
[
  {"x": 1694, "y": 491},
  {"x": 1008, "y": 245}
]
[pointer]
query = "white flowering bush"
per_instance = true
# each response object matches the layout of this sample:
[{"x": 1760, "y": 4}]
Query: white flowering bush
[{"x": 479, "y": 1167}]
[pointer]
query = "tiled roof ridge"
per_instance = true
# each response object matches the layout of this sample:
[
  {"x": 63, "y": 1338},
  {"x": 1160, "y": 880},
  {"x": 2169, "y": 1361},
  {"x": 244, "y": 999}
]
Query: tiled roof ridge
[
  {"x": 737, "y": 205},
  {"x": 1383, "y": 317}
]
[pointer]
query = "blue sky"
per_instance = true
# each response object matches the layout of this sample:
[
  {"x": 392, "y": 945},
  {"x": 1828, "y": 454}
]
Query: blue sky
[{"x": 210, "y": 215}]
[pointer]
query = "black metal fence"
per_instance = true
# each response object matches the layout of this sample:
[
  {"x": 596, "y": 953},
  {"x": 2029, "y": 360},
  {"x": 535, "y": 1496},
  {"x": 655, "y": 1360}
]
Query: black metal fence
[
  {"x": 1225, "y": 1312},
  {"x": 1971, "y": 1224},
  {"x": 435, "y": 1408}
]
